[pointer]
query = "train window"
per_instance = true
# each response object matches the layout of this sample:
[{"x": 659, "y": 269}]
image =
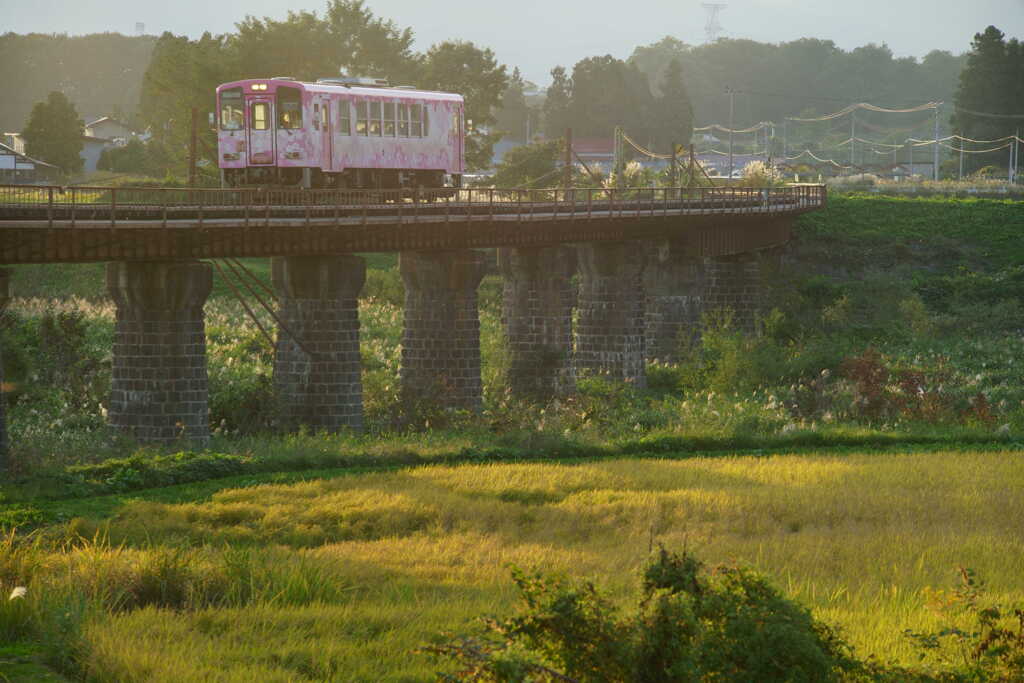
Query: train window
[
  {"x": 231, "y": 111},
  {"x": 426, "y": 121},
  {"x": 389, "y": 119},
  {"x": 362, "y": 118},
  {"x": 403, "y": 120},
  {"x": 316, "y": 116},
  {"x": 375, "y": 118},
  {"x": 416, "y": 127},
  {"x": 344, "y": 118},
  {"x": 289, "y": 107},
  {"x": 259, "y": 115}
]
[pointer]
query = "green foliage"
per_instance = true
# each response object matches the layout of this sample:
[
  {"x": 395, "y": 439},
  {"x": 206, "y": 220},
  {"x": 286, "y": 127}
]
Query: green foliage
[
  {"x": 729, "y": 625},
  {"x": 473, "y": 72},
  {"x": 53, "y": 133},
  {"x": 529, "y": 165},
  {"x": 606, "y": 92},
  {"x": 672, "y": 110},
  {"x": 989, "y": 83},
  {"x": 556, "y": 104},
  {"x": 977, "y": 642},
  {"x": 99, "y": 72}
]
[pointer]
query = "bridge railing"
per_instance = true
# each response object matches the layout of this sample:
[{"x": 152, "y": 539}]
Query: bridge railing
[{"x": 122, "y": 204}]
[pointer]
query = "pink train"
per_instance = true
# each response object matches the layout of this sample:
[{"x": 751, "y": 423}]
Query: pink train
[{"x": 344, "y": 133}]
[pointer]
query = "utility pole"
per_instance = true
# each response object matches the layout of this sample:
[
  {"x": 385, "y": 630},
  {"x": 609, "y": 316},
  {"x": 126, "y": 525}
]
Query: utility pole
[
  {"x": 619, "y": 165},
  {"x": 193, "y": 137},
  {"x": 935, "y": 156},
  {"x": 961, "y": 160},
  {"x": 853, "y": 134},
  {"x": 567, "y": 165},
  {"x": 672, "y": 173},
  {"x": 785, "y": 137},
  {"x": 732, "y": 94}
]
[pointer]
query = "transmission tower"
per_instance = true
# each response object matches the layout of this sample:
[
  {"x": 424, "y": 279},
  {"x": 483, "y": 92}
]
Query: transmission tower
[{"x": 713, "y": 28}]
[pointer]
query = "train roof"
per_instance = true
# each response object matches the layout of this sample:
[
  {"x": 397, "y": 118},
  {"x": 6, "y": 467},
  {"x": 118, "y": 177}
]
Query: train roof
[{"x": 338, "y": 87}]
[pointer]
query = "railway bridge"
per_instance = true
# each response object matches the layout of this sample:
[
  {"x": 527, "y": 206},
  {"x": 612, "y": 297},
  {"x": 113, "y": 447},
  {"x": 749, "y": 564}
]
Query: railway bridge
[{"x": 595, "y": 280}]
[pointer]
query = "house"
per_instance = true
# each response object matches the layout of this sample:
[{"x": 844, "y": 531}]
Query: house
[
  {"x": 111, "y": 129},
  {"x": 14, "y": 141},
  {"x": 92, "y": 149},
  {"x": 597, "y": 153},
  {"x": 17, "y": 168}
]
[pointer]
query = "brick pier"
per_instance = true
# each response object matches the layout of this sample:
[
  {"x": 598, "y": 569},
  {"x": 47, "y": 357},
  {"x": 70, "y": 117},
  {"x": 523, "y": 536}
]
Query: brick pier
[
  {"x": 736, "y": 284},
  {"x": 674, "y": 283},
  {"x": 317, "y": 368},
  {"x": 158, "y": 384},
  {"x": 537, "y": 317},
  {"x": 441, "y": 337},
  {"x": 610, "y": 335}
]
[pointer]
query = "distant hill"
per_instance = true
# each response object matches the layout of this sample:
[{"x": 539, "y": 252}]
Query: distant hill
[{"x": 101, "y": 73}]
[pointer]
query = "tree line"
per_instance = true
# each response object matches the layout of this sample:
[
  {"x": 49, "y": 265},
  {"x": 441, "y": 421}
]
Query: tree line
[{"x": 657, "y": 94}]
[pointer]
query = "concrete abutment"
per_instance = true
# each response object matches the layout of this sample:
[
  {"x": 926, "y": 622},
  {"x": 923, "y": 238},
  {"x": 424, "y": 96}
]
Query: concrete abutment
[{"x": 317, "y": 366}]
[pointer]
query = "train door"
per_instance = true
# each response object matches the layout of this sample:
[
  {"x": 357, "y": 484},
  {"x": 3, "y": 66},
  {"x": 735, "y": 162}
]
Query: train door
[
  {"x": 460, "y": 136},
  {"x": 261, "y": 131},
  {"x": 327, "y": 134}
]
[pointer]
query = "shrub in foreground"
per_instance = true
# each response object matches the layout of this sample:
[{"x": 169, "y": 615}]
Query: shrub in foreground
[{"x": 726, "y": 624}]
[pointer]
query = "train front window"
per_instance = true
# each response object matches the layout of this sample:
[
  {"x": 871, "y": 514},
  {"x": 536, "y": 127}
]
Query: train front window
[
  {"x": 232, "y": 113},
  {"x": 289, "y": 107},
  {"x": 259, "y": 115}
]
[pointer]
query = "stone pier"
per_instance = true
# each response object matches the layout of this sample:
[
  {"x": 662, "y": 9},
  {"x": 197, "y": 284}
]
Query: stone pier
[
  {"x": 158, "y": 384},
  {"x": 610, "y": 335},
  {"x": 674, "y": 282},
  {"x": 5, "y": 297},
  {"x": 441, "y": 338},
  {"x": 317, "y": 368},
  {"x": 537, "y": 317},
  {"x": 736, "y": 284}
]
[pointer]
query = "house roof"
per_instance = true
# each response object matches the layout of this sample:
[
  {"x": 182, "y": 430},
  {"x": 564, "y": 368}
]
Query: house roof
[
  {"x": 107, "y": 118},
  {"x": 594, "y": 146},
  {"x": 4, "y": 149}
]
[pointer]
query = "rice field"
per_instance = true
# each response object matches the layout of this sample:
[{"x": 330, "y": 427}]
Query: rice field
[{"x": 342, "y": 578}]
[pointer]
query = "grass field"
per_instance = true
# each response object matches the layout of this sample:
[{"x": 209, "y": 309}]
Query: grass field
[{"x": 341, "y": 578}]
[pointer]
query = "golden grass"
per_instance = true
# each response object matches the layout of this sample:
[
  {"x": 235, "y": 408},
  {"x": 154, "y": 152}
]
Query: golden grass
[{"x": 855, "y": 537}]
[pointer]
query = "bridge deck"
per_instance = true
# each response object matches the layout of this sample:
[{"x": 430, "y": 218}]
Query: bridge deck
[{"x": 52, "y": 224}]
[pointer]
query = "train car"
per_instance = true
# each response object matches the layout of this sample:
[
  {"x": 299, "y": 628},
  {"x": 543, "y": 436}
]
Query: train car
[{"x": 342, "y": 133}]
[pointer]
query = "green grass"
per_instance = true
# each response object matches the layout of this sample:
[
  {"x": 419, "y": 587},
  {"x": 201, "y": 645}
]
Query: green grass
[{"x": 353, "y": 573}]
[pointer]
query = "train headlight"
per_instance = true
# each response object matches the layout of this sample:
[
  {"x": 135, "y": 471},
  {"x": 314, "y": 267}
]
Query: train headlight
[
  {"x": 292, "y": 155},
  {"x": 258, "y": 86}
]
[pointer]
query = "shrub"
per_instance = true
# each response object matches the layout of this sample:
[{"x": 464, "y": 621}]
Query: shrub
[{"x": 727, "y": 625}]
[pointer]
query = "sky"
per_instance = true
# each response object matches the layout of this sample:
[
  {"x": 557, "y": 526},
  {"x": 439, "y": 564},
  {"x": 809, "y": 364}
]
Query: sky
[{"x": 536, "y": 35}]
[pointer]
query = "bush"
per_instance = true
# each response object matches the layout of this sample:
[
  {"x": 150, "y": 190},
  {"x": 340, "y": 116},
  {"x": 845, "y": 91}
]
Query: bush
[{"x": 726, "y": 625}]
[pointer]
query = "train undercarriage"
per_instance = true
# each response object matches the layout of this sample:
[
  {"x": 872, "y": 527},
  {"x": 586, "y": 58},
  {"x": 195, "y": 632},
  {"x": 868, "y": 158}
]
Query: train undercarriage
[{"x": 349, "y": 179}]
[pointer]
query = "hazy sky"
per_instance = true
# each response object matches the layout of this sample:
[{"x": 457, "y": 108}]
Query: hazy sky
[{"x": 538, "y": 34}]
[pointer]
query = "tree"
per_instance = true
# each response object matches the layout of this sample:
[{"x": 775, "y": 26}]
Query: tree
[
  {"x": 673, "y": 112},
  {"x": 556, "y": 104},
  {"x": 991, "y": 82},
  {"x": 473, "y": 72},
  {"x": 607, "y": 92},
  {"x": 528, "y": 164},
  {"x": 514, "y": 113},
  {"x": 54, "y": 133}
]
